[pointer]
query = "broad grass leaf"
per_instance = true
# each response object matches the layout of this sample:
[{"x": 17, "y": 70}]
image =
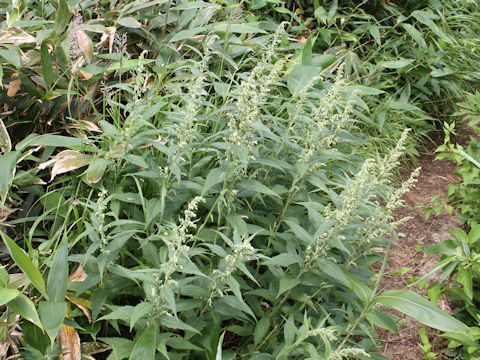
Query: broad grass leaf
[
  {"x": 395, "y": 64},
  {"x": 237, "y": 28},
  {"x": 420, "y": 309},
  {"x": 145, "y": 345},
  {"x": 129, "y": 22},
  {"x": 25, "y": 307},
  {"x": 25, "y": 264},
  {"x": 8, "y": 164},
  {"x": 12, "y": 57},
  {"x": 47, "y": 67},
  {"x": 7, "y": 295},
  {"x": 415, "y": 34},
  {"x": 66, "y": 161},
  {"x": 426, "y": 18},
  {"x": 129, "y": 64},
  {"x": 62, "y": 17},
  {"x": 52, "y": 314},
  {"x": 5, "y": 142},
  {"x": 70, "y": 343},
  {"x": 96, "y": 170},
  {"x": 58, "y": 275},
  {"x": 50, "y": 140},
  {"x": 185, "y": 34}
]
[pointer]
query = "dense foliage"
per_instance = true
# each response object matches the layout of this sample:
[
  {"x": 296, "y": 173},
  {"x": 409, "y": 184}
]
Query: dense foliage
[{"x": 214, "y": 179}]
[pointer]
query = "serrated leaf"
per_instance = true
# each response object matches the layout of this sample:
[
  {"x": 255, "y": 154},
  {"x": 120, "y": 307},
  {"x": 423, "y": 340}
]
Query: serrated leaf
[{"x": 139, "y": 312}]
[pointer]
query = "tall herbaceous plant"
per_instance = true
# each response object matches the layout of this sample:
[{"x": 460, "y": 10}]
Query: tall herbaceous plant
[{"x": 221, "y": 214}]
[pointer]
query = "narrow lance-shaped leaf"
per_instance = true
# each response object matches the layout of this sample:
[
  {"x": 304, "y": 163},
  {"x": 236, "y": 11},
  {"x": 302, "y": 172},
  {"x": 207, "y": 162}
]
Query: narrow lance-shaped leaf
[
  {"x": 58, "y": 275},
  {"x": 25, "y": 264},
  {"x": 420, "y": 309}
]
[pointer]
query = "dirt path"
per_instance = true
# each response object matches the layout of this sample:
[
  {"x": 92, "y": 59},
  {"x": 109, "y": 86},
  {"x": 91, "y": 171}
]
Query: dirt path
[{"x": 433, "y": 179}]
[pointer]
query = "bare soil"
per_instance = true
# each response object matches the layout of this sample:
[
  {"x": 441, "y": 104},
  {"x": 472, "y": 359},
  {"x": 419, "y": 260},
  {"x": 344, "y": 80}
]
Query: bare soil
[{"x": 433, "y": 179}]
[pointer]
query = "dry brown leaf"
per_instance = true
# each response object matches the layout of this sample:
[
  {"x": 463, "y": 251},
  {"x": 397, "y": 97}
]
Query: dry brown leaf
[
  {"x": 85, "y": 75},
  {"x": 66, "y": 161},
  {"x": 84, "y": 43},
  {"x": 5, "y": 143},
  {"x": 14, "y": 86},
  {"x": 70, "y": 343},
  {"x": 4, "y": 212},
  {"x": 16, "y": 36},
  {"x": 111, "y": 32},
  {"x": 78, "y": 276},
  {"x": 82, "y": 303}
]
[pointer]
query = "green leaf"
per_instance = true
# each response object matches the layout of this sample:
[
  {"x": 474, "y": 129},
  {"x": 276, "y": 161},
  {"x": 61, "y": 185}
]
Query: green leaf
[
  {"x": 415, "y": 34},
  {"x": 465, "y": 278},
  {"x": 185, "y": 34},
  {"x": 52, "y": 314},
  {"x": 50, "y": 140},
  {"x": 139, "y": 312},
  {"x": 219, "y": 347},
  {"x": 237, "y": 28},
  {"x": 58, "y": 275},
  {"x": 300, "y": 76},
  {"x": 8, "y": 164},
  {"x": 420, "y": 309},
  {"x": 129, "y": 64},
  {"x": 214, "y": 177},
  {"x": 7, "y": 295},
  {"x": 62, "y": 17},
  {"x": 256, "y": 186},
  {"x": 129, "y": 22},
  {"x": 287, "y": 283},
  {"x": 261, "y": 330},
  {"x": 146, "y": 344},
  {"x": 395, "y": 64},
  {"x": 47, "y": 67},
  {"x": 11, "y": 56},
  {"x": 384, "y": 320},
  {"x": 285, "y": 259},
  {"x": 25, "y": 264},
  {"x": 175, "y": 323},
  {"x": 25, "y": 307}
]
